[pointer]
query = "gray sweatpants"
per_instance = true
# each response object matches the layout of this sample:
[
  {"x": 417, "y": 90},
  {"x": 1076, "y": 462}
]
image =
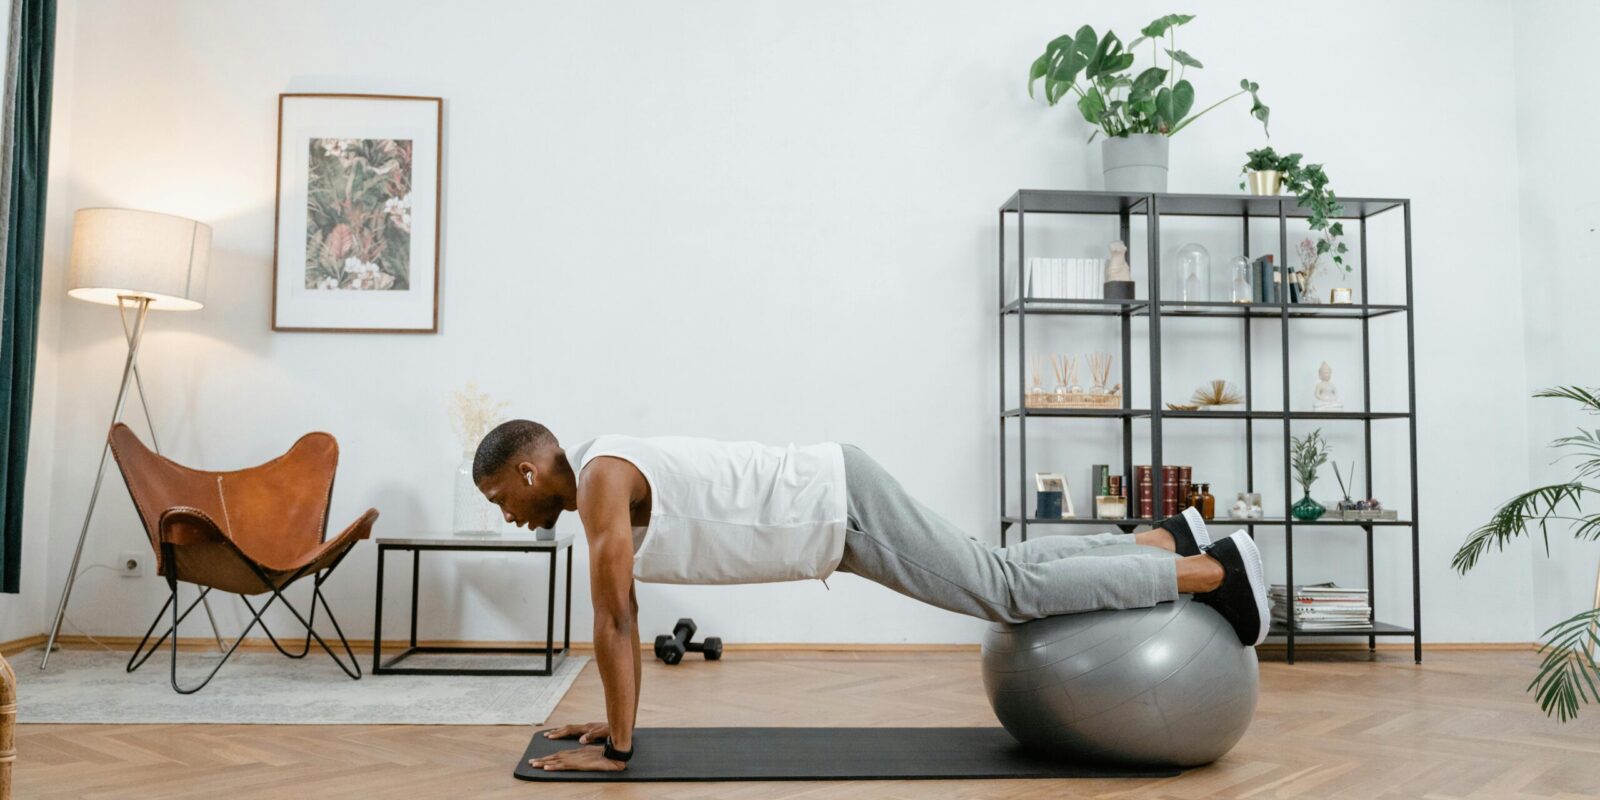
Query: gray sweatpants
[{"x": 896, "y": 541}]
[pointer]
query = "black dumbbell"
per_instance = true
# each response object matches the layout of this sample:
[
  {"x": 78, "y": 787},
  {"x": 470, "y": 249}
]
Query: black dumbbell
[{"x": 671, "y": 648}]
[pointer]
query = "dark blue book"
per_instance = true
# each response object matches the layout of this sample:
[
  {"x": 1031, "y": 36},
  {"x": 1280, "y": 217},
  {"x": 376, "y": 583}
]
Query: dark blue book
[{"x": 1266, "y": 276}]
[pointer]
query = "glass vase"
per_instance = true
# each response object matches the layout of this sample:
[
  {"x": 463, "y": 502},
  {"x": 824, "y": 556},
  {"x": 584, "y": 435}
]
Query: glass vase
[
  {"x": 474, "y": 514},
  {"x": 1194, "y": 274},
  {"x": 1307, "y": 509},
  {"x": 1308, "y": 286},
  {"x": 1239, "y": 281}
]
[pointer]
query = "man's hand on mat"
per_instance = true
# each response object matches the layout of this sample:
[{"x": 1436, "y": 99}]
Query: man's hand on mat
[
  {"x": 583, "y": 759},
  {"x": 587, "y": 732}
]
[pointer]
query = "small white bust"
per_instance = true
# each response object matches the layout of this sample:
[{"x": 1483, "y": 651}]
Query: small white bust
[
  {"x": 1118, "y": 269},
  {"x": 1326, "y": 395}
]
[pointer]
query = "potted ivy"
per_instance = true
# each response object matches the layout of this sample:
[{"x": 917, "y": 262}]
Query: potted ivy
[
  {"x": 1266, "y": 172},
  {"x": 1136, "y": 112}
]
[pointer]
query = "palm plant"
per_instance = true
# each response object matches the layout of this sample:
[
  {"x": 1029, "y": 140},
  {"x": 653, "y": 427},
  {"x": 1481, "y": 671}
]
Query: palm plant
[{"x": 1568, "y": 674}]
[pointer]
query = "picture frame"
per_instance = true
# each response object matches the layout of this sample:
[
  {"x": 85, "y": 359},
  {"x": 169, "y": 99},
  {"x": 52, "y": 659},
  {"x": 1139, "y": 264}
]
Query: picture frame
[
  {"x": 1050, "y": 482},
  {"x": 358, "y": 211}
]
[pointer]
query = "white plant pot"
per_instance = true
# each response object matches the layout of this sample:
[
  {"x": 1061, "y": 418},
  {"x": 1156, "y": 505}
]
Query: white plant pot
[{"x": 1135, "y": 163}]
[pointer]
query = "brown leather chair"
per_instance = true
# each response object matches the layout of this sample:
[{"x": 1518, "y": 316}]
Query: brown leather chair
[{"x": 249, "y": 532}]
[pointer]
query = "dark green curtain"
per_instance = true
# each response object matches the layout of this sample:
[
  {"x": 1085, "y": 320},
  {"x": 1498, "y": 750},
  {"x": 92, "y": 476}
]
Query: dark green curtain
[{"x": 34, "y": 43}]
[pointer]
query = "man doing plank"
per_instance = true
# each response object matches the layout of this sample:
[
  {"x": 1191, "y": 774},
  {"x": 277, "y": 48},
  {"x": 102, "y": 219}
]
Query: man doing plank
[{"x": 687, "y": 510}]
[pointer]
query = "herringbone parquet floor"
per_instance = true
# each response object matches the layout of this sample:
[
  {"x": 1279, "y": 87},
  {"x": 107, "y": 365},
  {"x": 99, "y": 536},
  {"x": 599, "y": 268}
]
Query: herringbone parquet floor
[{"x": 1342, "y": 725}]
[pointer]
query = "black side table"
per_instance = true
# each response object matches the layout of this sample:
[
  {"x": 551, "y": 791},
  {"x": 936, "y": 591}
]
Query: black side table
[{"x": 519, "y": 542}]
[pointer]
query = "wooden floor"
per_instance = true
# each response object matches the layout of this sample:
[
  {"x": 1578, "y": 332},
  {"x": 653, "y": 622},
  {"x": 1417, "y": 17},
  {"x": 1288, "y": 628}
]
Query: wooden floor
[{"x": 1339, "y": 725}]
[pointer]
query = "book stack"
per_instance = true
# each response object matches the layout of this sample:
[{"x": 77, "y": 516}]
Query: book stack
[
  {"x": 1267, "y": 281},
  {"x": 1066, "y": 278},
  {"x": 1321, "y": 607}
]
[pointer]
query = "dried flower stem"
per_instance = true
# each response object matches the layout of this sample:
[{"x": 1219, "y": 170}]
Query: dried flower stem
[{"x": 472, "y": 414}]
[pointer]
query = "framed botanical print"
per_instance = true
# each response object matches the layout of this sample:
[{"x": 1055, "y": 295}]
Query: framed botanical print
[{"x": 357, "y": 242}]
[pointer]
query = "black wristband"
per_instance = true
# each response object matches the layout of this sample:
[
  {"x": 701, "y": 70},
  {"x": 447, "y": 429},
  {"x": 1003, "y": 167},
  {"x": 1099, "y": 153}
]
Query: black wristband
[{"x": 617, "y": 755}]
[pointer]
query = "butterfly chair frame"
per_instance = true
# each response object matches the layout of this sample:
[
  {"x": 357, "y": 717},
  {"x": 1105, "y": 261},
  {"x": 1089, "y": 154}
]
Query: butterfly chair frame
[{"x": 248, "y": 532}]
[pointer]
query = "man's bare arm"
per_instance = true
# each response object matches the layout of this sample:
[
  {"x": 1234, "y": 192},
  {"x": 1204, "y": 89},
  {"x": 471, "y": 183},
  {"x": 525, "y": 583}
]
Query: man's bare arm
[
  {"x": 638, "y": 657},
  {"x": 605, "y": 499},
  {"x": 589, "y": 733}
]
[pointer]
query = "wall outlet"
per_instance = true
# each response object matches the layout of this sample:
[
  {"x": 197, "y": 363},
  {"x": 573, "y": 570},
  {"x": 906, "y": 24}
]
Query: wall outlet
[{"x": 131, "y": 564}]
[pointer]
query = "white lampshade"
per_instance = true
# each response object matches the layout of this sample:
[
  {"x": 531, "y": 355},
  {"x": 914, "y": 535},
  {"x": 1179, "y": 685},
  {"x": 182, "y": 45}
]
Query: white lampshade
[{"x": 120, "y": 252}]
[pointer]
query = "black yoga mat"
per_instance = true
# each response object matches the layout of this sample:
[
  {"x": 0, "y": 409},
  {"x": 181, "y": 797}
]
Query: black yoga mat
[{"x": 820, "y": 754}]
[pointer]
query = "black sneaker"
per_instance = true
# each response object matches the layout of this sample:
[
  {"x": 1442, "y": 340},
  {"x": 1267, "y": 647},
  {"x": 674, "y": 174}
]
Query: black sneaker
[
  {"x": 1188, "y": 532},
  {"x": 1242, "y": 598}
]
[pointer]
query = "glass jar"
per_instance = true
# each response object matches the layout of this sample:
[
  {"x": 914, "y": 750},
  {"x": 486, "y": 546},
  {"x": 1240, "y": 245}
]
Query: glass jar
[
  {"x": 474, "y": 514},
  {"x": 1194, "y": 274},
  {"x": 1111, "y": 507},
  {"x": 1037, "y": 395},
  {"x": 1239, "y": 281}
]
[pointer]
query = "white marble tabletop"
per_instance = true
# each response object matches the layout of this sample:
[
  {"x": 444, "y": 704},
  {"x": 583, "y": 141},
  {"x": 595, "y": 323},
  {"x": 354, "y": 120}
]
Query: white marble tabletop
[{"x": 519, "y": 537}]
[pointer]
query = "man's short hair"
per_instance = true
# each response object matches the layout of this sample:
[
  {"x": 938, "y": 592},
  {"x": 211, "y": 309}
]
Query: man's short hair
[{"x": 506, "y": 442}]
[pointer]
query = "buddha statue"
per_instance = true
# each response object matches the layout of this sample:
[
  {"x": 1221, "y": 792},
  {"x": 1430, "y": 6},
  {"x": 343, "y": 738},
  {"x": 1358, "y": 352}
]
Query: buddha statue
[{"x": 1325, "y": 397}]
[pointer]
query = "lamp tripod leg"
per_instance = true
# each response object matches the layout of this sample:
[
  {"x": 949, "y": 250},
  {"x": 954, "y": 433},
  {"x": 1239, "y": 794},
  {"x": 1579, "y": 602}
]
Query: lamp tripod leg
[
  {"x": 205, "y": 603},
  {"x": 77, "y": 554},
  {"x": 155, "y": 444},
  {"x": 128, "y": 367}
]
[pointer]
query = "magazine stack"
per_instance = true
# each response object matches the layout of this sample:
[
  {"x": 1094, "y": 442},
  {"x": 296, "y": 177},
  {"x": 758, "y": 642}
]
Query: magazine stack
[{"x": 1322, "y": 607}]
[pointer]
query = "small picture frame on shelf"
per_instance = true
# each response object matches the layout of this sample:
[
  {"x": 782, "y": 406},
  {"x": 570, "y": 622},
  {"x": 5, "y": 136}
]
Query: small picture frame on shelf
[{"x": 1055, "y": 496}]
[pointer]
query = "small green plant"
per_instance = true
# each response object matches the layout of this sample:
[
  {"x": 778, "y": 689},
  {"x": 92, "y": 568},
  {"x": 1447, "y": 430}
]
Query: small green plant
[
  {"x": 1568, "y": 674},
  {"x": 1266, "y": 158},
  {"x": 1116, "y": 101},
  {"x": 1306, "y": 455},
  {"x": 1309, "y": 184}
]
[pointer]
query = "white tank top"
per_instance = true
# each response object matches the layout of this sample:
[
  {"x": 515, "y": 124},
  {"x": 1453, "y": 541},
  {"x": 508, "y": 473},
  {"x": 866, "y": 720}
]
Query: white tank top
[{"x": 732, "y": 512}]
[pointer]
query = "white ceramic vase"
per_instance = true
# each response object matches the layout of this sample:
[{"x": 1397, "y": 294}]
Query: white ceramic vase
[{"x": 474, "y": 514}]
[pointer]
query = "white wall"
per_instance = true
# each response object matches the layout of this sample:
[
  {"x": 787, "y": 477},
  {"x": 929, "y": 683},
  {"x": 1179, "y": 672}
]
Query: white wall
[
  {"x": 748, "y": 221},
  {"x": 1561, "y": 267}
]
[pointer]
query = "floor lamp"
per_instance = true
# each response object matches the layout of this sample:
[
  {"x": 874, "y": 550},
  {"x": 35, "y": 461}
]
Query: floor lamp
[{"x": 138, "y": 261}]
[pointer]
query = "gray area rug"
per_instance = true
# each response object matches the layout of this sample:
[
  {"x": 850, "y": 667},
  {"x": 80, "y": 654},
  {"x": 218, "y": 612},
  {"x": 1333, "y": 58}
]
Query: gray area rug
[{"x": 91, "y": 686}]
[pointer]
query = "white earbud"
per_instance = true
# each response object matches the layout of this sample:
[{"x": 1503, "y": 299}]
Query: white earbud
[{"x": 528, "y": 476}]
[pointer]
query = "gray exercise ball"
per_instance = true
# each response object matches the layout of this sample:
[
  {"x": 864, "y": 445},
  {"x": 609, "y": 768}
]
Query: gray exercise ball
[{"x": 1162, "y": 686}]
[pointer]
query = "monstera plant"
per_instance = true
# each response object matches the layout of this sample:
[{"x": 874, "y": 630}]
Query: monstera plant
[
  {"x": 1098, "y": 71},
  {"x": 1568, "y": 674}
]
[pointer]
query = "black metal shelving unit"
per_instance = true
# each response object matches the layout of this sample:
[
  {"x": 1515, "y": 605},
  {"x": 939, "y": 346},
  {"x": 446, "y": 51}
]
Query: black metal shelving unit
[{"x": 1152, "y": 309}]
